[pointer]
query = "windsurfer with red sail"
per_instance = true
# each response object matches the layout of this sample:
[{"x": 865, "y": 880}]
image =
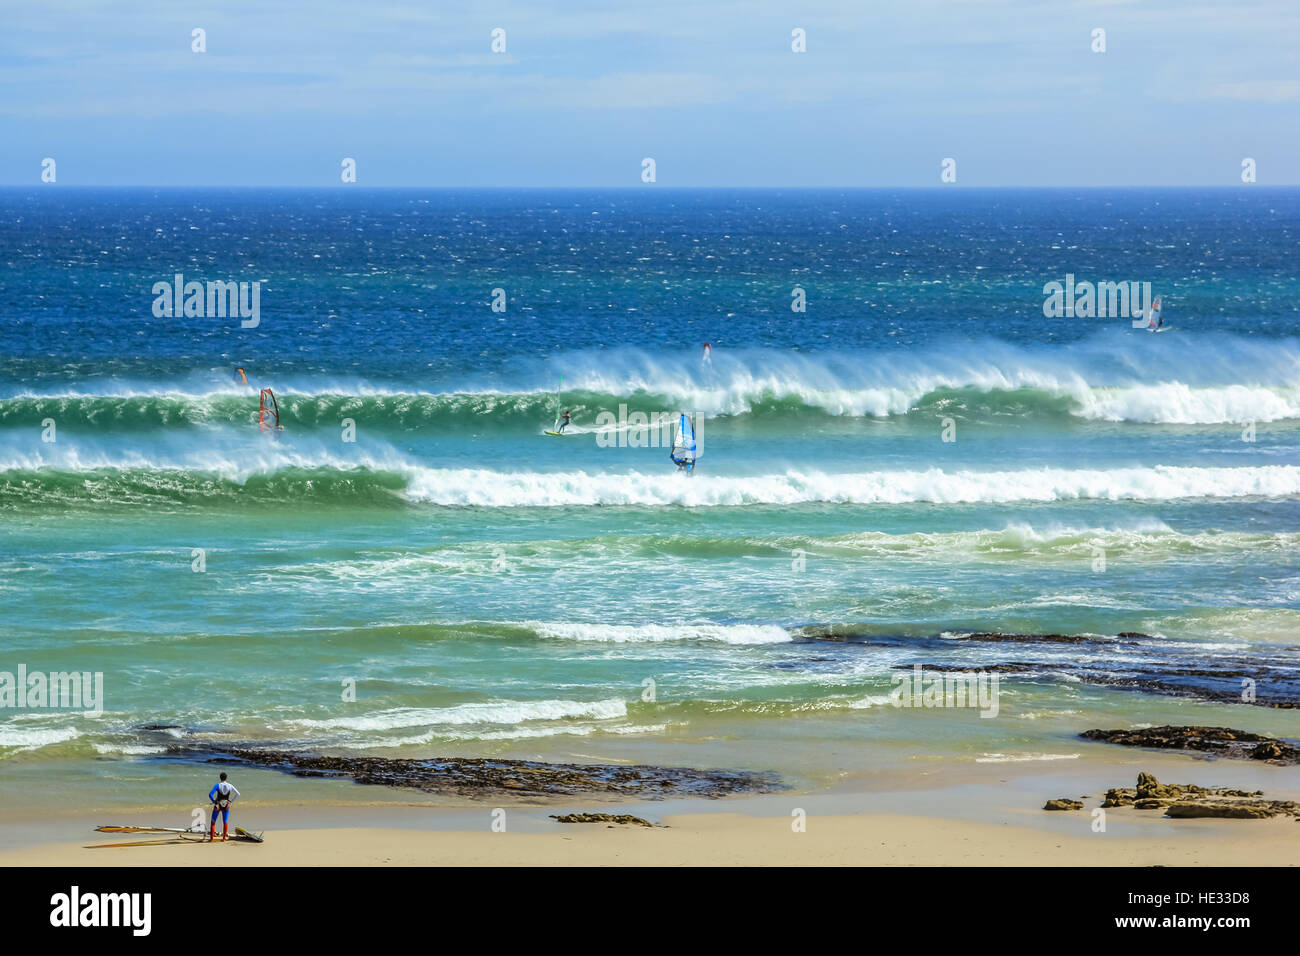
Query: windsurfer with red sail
[{"x": 268, "y": 409}]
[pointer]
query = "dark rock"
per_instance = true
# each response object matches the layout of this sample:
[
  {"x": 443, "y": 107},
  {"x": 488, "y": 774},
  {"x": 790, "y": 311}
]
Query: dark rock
[
  {"x": 1245, "y": 810},
  {"x": 1148, "y": 785},
  {"x": 1009, "y": 667},
  {"x": 1268, "y": 750},
  {"x": 1155, "y": 669},
  {"x": 1064, "y": 803},
  {"x": 477, "y": 777},
  {"x": 1030, "y": 638},
  {"x": 1185, "y": 800},
  {"x": 1118, "y": 797},
  {"x": 601, "y": 818},
  {"x": 1219, "y": 741}
]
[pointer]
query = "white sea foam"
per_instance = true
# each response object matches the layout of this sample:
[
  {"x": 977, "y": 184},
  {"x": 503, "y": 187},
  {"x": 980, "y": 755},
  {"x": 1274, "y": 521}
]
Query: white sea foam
[
  {"x": 871, "y": 700},
  {"x": 483, "y": 488},
  {"x": 1111, "y": 377},
  {"x": 1190, "y": 378},
  {"x": 127, "y": 750},
  {"x": 1022, "y": 758},
  {"x": 511, "y": 733},
  {"x": 486, "y": 712},
  {"x": 34, "y": 738},
  {"x": 1180, "y": 404}
]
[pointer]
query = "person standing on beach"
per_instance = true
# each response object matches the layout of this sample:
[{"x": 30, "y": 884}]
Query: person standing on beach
[{"x": 221, "y": 797}]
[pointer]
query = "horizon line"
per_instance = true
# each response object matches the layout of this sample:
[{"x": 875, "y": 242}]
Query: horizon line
[{"x": 642, "y": 188}]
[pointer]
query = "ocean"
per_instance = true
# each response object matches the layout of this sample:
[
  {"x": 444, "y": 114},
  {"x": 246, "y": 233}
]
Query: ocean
[{"x": 919, "y": 467}]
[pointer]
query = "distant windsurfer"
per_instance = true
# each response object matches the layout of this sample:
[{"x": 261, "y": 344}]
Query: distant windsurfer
[
  {"x": 1154, "y": 319},
  {"x": 564, "y": 424},
  {"x": 221, "y": 797}
]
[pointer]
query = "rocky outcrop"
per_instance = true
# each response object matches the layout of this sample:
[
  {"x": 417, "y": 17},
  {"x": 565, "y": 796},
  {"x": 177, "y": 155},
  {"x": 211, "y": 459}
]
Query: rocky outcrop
[
  {"x": 610, "y": 818},
  {"x": 1008, "y": 667},
  {"x": 1128, "y": 661},
  {"x": 1186, "y": 800},
  {"x": 474, "y": 777},
  {"x": 1064, "y": 803},
  {"x": 1257, "y": 810},
  {"x": 1219, "y": 741},
  {"x": 1272, "y": 750},
  {"x": 1031, "y": 638}
]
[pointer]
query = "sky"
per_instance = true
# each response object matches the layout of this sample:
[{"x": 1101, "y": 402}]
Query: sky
[{"x": 710, "y": 89}]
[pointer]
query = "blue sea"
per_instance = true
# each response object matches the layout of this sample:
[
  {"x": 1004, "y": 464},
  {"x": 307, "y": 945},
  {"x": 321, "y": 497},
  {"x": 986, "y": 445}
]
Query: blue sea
[{"x": 410, "y": 566}]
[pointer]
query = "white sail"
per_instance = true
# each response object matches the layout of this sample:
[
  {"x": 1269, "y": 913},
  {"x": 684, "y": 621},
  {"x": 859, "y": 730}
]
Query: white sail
[
  {"x": 1153, "y": 314},
  {"x": 685, "y": 448}
]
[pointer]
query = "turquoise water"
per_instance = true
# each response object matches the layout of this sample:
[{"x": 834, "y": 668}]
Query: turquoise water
[{"x": 486, "y": 588}]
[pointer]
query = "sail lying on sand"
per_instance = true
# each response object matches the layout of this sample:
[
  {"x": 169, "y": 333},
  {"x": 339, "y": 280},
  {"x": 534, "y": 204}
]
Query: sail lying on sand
[{"x": 177, "y": 835}]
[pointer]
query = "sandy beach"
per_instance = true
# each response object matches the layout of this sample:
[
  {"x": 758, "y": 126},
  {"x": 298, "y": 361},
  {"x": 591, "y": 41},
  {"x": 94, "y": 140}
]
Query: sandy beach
[
  {"x": 974, "y": 815},
  {"x": 723, "y": 839}
]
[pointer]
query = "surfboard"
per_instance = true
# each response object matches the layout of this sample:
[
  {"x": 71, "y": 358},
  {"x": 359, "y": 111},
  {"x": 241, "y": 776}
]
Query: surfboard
[
  {"x": 554, "y": 434},
  {"x": 242, "y": 834}
]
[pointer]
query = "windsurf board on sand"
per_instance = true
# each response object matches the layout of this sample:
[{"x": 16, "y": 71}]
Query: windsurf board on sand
[
  {"x": 173, "y": 836},
  {"x": 180, "y": 835}
]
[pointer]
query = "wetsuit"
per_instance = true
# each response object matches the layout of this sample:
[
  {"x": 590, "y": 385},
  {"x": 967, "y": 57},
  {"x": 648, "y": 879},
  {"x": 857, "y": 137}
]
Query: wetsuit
[
  {"x": 221, "y": 797},
  {"x": 564, "y": 424}
]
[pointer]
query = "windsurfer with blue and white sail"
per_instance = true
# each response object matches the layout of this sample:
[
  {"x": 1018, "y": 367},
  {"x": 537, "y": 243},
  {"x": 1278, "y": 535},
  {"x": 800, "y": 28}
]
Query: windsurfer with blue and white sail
[{"x": 685, "y": 451}]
